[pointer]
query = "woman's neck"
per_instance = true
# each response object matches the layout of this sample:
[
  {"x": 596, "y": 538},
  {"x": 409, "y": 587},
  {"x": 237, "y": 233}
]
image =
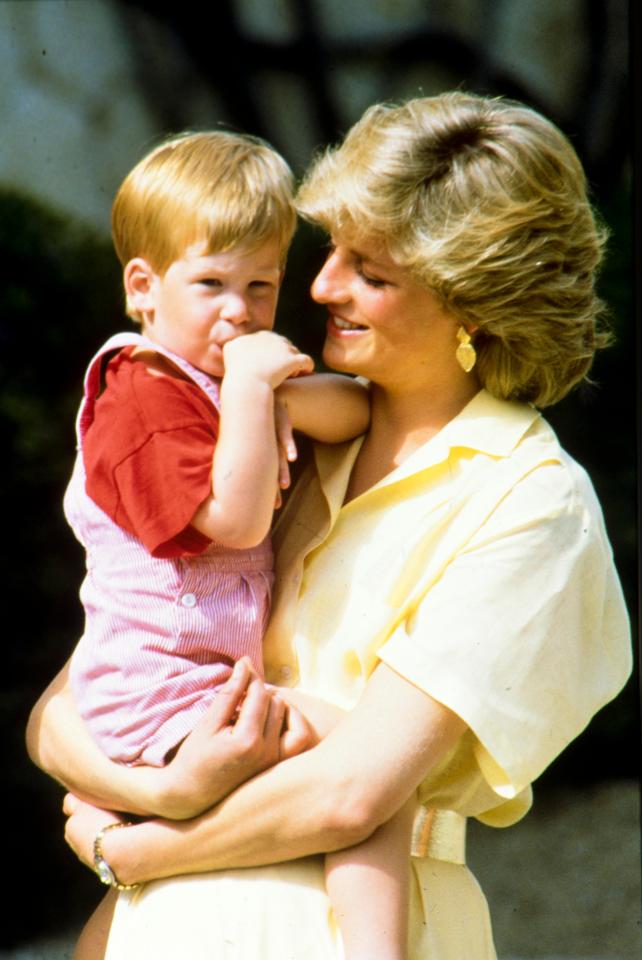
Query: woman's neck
[{"x": 401, "y": 422}]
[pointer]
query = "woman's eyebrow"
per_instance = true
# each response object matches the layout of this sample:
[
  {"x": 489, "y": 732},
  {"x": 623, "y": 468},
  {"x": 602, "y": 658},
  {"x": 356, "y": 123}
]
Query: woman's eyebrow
[
  {"x": 387, "y": 269},
  {"x": 367, "y": 258}
]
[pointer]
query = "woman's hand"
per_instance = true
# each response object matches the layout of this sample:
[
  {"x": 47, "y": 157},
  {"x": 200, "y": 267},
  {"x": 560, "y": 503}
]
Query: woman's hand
[
  {"x": 84, "y": 823},
  {"x": 328, "y": 798},
  {"x": 247, "y": 729}
]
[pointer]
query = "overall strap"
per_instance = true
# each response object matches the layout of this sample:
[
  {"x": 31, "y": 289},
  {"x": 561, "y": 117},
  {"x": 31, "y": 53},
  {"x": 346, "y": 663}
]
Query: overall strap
[{"x": 93, "y": 376}]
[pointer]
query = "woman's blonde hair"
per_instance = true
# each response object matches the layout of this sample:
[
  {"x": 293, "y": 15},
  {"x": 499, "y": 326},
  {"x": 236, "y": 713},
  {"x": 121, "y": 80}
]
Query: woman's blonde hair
[
  {"x": 223, "y": 189},
  {"x": 485, "y": 201}
]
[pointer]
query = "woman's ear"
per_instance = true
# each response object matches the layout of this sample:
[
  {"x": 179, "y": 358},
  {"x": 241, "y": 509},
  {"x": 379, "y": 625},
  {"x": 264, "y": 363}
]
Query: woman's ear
[{"x": 140, "y": 287}]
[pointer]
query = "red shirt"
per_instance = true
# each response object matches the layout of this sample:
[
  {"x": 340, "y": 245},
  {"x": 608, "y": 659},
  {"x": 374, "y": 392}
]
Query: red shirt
[{"x": 148, "y": 455}]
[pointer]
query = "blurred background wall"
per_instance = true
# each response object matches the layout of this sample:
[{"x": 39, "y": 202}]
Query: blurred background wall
[{"x": 86, "y": 87}]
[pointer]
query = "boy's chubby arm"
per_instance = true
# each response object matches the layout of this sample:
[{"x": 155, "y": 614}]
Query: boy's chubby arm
[
  {"x": 245, "y": 470},
  {"x": 328, "y": 407}
]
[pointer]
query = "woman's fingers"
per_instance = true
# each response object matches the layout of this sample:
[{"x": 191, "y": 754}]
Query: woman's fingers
[
  {"x": 240, "y": 735},
  {"x": 296, "y": 734},
  {"x": 233, "y": 741},
  {"x": 84, "y": 822},
  {"x": 259, "y": 724},
  {"x": 253, "y": 711},
  {"x": 227, "y": 700},
  {"x": 274, "y": 725},
  {"x": 70, "y": 804}
]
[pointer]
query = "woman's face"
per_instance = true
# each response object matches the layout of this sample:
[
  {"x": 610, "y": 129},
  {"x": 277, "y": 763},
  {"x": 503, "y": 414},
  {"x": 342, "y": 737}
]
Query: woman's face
[{"x": 382, "y": 324}]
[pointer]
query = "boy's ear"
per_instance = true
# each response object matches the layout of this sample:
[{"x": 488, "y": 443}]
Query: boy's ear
[{"x": 140, "y": 285}]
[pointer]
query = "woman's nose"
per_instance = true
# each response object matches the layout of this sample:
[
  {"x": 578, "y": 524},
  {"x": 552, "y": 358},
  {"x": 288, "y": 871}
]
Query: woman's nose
[{"x": 329, "y": 284}]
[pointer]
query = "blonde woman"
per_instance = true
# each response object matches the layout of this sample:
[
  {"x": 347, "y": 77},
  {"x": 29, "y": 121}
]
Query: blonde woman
[{"x": 446, "y": 580}]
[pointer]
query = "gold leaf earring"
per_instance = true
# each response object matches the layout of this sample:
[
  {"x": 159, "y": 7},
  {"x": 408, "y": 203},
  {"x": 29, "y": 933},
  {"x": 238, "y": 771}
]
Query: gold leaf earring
[{"x": 466, "y": 354}]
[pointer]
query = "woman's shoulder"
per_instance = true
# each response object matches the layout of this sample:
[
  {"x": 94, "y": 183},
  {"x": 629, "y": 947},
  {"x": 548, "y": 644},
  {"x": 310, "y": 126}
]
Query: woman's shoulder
[
  {"x": 563, "y": 477},
  {"x": 515, "y": 470},
  {"x": 546, "y": 495}
]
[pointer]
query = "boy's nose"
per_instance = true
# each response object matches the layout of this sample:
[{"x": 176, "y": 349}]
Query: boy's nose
[{"x": 234, "y": 309}]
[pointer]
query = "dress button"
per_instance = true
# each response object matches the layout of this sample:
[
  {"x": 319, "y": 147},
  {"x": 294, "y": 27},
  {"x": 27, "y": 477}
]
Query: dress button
[
  {"x": 286, "y": 673},
  {"x": 188, "y": 600}
]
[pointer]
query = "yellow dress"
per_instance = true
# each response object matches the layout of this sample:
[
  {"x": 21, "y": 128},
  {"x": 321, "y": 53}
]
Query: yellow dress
[{"x": 480, "y": 571}]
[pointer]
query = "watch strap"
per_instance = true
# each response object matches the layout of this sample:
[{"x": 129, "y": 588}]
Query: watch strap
[{"x": 105, "y": 873}]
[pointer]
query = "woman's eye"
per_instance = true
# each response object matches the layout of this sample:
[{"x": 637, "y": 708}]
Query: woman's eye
[{"x": 372, "y": 281}]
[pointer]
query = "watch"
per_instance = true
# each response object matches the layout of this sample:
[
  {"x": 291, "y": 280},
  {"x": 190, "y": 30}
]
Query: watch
[{"x": 102, "y": 868}]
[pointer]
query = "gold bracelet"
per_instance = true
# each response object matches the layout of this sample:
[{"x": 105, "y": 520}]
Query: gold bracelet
[{"x": 102, "y": 868}]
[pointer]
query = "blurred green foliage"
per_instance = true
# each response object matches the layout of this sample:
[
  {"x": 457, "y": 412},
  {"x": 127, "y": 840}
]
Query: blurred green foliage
[{"x": 60, "y": 298}]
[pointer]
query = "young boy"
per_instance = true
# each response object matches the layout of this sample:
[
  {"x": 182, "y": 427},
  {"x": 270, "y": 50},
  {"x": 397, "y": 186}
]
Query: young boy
[{"x": 178, "y": 466}]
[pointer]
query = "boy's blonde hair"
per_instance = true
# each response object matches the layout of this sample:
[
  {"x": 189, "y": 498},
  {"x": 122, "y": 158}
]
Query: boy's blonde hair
[
  {"x": 219, "y": 188},
  {"x": 485, "y": 201}
]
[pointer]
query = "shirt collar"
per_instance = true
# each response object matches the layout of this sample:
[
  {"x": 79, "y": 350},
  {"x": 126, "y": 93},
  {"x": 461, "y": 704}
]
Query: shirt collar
[
  {"x": 489, "y": 425},
  {"x": 485, "y": 425}
]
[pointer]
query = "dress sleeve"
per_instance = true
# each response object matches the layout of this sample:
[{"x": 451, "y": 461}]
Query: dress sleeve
[{"x": 525, "y": 635}]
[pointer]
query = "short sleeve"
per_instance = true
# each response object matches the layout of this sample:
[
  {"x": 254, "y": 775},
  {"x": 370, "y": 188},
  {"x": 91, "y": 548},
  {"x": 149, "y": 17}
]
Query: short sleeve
[
  {"x": 148, "y": 456},
  {"x": 160, "y": 487},
  {"x": 525, "y": 635}
]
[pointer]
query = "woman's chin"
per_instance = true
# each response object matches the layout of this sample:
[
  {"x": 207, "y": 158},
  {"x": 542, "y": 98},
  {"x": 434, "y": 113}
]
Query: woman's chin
[{"x": 337, "y": 358}]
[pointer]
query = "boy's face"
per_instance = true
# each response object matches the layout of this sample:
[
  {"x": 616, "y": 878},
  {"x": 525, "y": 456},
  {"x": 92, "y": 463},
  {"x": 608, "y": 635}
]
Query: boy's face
[{"x": 203, "y": 300}]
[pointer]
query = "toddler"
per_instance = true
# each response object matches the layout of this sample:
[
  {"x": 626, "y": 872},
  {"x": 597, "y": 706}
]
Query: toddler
[{"x": 177, "y": 471}]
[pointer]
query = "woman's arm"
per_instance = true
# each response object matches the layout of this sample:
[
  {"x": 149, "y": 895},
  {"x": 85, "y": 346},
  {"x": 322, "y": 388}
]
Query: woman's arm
[
  {"x": 247, "y": 729},
  {"x": 328, "y": 407},
  {"x": 328, "y": 798}
]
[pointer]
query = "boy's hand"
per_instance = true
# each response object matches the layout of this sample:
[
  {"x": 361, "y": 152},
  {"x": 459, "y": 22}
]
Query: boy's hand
[{"x": 265, "y": 356}]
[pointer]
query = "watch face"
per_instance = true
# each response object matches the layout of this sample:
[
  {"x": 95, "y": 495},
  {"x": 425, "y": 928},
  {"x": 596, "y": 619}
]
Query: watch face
[{"x": 105, "y": 874}]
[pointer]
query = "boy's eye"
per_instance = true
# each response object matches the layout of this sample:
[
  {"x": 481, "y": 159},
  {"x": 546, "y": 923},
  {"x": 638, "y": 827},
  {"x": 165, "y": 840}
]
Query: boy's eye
[
  {"x": 261, "y": 286},
  {"x": 210, "y": 282}
]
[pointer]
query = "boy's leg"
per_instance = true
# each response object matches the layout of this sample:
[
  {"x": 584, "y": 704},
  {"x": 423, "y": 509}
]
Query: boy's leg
[
  {"x": 92, "y": 942},
  {"x": 369, "y": 888}
]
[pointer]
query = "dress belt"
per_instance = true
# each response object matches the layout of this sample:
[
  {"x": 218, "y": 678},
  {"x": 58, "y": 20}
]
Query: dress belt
[{"x": 440, "y": 834}]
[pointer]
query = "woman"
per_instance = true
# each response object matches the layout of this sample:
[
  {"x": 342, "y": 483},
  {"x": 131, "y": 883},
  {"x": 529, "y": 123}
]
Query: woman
[{"x": 446, "y": 580}]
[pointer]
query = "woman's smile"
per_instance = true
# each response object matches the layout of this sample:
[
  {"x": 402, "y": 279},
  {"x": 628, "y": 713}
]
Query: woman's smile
[
  {"x": 379, "y": 316},
  {"x": 336, "y": 323}
]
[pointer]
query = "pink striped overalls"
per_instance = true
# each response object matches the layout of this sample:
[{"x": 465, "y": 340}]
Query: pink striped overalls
[{"x": 160, "y": 635}]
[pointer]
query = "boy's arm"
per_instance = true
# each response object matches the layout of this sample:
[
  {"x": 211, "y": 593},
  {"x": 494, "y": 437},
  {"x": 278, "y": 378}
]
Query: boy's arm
[
  {"x": 326, "y": 406},
  {"x": 246, "y": 459},
  {"x": 369, "y": 886}
]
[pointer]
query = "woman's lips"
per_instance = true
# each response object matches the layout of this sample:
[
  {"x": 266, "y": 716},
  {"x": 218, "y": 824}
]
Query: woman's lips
[{"x": 339, "y": 326}]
